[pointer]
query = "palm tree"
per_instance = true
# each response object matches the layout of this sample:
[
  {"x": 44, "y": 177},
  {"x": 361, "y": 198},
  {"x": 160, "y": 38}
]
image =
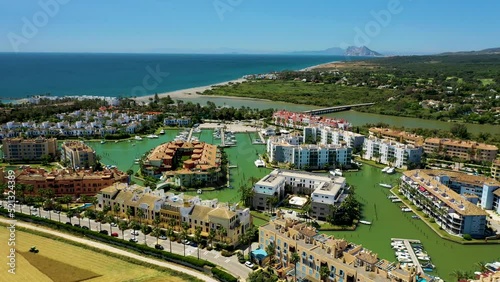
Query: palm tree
[
  {"x": 88, "y": 214},
  {"x": 128, "y": 212},
  {"x": 244, "y": 239},
  {"x": 110, "y": 219},
  {"x": 222, "y": 233},
  {"x": 323, "y": 273},
  {"x": 116, "y": 209},
  {"x": 144, "y": 230},
  {"x": 157, "y": 229},
  {"x": 140, "y": 214},
  {"x": 67, "y": 200},
  {"x": 58, "y": 208},
  {"x": 100, "y": 218},
  {"x": 134, "y": 226},
  {"x": 70, "y": 214},
  {"x": 294, "y": 259},
  {"x": 458, "y": 274},
  {"x": 184, "y": 234},
  {"x": 271, "y": 252},
  {"x": 79, "y": 216},
  {"x": 122, "y": 225},
  {"x": 170, "y": 235},
  {"x": 197, "y": 238},
  {"x": 211, "y": 236}
]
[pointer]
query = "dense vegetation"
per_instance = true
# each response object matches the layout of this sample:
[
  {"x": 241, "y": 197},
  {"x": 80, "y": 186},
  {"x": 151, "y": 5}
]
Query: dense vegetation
[{"x": 446, "y": 88}]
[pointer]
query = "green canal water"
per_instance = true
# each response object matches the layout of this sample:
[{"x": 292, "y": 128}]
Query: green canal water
[
  {"x": 389, "y": 222},
  {"x": 387, "y": 219}
]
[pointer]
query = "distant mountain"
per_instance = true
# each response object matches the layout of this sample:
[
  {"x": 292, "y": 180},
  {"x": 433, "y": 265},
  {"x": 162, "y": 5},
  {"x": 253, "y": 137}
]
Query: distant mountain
[
  {"x": 337, "y": 51},
  {"x": 361, "y": 51},
  {"x": 489, "y": 51}
]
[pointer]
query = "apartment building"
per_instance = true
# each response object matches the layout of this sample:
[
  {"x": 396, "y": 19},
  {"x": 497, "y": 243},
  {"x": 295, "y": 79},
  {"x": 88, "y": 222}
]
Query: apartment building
[
  {"x": 346, "y": 261},
  {"x": 67, "y": 181},
  {"x": 172, "y": 121},
  {"x": 328, "y": 135},
  {"x": 329, "y": 193},
  {"x": 391, "y": 152},
  {"x": 495, "y": 169},
  {"x": 207, "y": 214},
  {"x": 307, "y": 155},
  {"x": 452, "y": 211},
  {"x": 273, "y": 185},
  {"x": 27, "y": 150},
  {"x": 398, "y": 136},
  {"x": 186, "y": 163},
  {"x": 486, "y": 190},
  {"x": 300, "y": 120},
  {"x": 79, "y": 154},
  {"x": 465, "y": 150}
]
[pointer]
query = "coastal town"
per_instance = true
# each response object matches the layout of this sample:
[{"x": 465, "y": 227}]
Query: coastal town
[{"x": 300, "y": 186}]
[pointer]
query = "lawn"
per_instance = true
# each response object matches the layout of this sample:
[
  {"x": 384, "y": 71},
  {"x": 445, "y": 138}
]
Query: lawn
[{"x": 59, "y": 261}]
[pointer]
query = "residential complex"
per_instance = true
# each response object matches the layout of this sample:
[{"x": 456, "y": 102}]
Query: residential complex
[
  {"x": 398, "y": 136},
  {"x": 301, "y": 156},
  {"x": 300, "y": 120},
  {"x": 466, "y": 150},
  {"x": 328, "y": 135},
  {"x": 495, "y": 170},
  {"x": 391, "y": 152},
  {"x": 185, "y": 163},
  {"x": 479, "y": 189},
  {"x": 324, "y": 190},
  {"x": 78, "y": 154},
  {"x": 455, "y": 213},
  {"x": 28, "y": 150},
  {"x": 89, "y": 123},
  {"x": 207, "y": 214},
  {"x": 344, "y": 260},
  {"x": 172, "y": 121},
  {"x": 67, "y": 181}
]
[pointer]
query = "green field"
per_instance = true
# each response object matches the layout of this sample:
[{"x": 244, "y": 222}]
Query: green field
[{"x": 61, "y": 262}]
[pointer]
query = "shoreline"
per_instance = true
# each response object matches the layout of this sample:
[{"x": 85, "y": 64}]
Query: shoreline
[{"x": 321, "y": 65}]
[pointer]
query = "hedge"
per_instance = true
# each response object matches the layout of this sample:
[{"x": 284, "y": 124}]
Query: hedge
[
  {"x": 188, "y": 261},
  {"x": 223, "y": 276}
]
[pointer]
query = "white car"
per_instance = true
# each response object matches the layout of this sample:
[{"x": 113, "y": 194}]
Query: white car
[
  {"x": 249, "y": 264},
  {"x": 134, "y": 232},
  {"x": 114, "y": 224}
]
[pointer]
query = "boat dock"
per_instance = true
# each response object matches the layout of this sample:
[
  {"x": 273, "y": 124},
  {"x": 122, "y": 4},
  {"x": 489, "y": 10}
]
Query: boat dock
[
  {"x": 222, "y": 137},
  {"x": 410, "y": 250},
  {"x": 262, "y": 137},
  {"x": 190, "y": 134}
]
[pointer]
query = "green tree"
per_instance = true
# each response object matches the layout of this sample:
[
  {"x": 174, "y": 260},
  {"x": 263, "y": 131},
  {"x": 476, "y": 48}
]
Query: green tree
[
  {"x": 184, "y": 235},
  {"x": 294, "y": 259},
  {"x": 323, "y": 273},
  {"x": 197, "y": 238},
  {"x": 271, "y": 252},
  {"x": 70, "y": 214},
  {"x": 211, "y": 236},
  {"x": 122, "y": 225}
]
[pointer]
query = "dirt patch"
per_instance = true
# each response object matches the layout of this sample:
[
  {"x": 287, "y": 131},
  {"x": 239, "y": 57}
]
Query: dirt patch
[{"x": 56, "y": 270}]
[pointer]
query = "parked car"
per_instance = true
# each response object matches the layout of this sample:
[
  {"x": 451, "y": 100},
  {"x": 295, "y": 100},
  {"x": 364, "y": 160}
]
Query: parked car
[
  {"x": 105, "y": 232},
  {"x": 68, "y": 223},
  {"x": 114, "y": 224},
  {"x": 193, "y": 244},
  {"x": 133, "y": 240},
  {"x": 249, "y": 264},
  {"x": 114, "y": 234},
  {"x": 76, "y": 225},
  {"x": 186, "y": 242},
  {"x": 85, "y": 227},
  {"x": 162, "y": 237},
  {"x": 58, "y": 212},
  {"x": 134, "y": 232},
  {"x": 158, "y": 247}
]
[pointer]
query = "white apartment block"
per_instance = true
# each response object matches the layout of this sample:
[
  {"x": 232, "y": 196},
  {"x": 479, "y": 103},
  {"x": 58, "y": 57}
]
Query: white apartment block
[
  {"x": 391, "y": 152},
  {"x": 328, "y": 135}
]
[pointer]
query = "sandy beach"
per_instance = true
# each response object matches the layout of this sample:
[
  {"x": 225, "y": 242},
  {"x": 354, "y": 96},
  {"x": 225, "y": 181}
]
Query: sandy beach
[{"x": 188, "y": 93}]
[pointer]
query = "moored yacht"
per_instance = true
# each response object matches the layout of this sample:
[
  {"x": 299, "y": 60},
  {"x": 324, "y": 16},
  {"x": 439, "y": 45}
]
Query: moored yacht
[{"x": 137, "y": 137}]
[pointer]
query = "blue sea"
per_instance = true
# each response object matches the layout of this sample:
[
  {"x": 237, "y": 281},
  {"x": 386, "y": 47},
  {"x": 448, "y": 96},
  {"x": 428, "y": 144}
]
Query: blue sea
[{"x": 126, "y": 75}]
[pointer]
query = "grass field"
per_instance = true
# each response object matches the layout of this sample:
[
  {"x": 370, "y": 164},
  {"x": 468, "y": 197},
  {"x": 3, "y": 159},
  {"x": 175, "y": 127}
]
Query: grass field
[{"x": 59, "y": 261}]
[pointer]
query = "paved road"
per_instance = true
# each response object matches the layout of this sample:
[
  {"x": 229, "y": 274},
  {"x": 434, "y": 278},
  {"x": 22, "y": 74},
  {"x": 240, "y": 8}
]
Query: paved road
[
  {"x": 231, "y": 264},
  {"x": 114, "y": 250}
]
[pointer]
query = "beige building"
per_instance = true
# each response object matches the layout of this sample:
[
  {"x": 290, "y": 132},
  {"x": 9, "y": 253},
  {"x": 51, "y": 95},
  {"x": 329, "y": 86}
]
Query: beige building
[
  {"x": 398, "y": 136},
  {"x": 495, "y": 170},
  {"x": 344, "y": 260},
  {"x": 79, "y": 154},
  {"x": 207, "y": 214},
  {"x": 466, "y": 150},
  {"x": 26, "y": 150}
]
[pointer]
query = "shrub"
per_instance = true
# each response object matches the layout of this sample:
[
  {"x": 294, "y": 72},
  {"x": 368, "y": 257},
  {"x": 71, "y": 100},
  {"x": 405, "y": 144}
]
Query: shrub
[
  {"x": 226, "y": 253},
  {"x": 432, "y": 220},
  {"x": 223, "y": 276},
  {"x": 209, "y": 248},
  {"x": 419, "y": 209},
  {"x": 467, "y": 237}
]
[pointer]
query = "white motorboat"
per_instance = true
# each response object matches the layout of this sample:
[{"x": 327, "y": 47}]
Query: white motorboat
[
  {"x": 260, "y": 163},
  {"x": 137, "y": 137},
  {"x": 103, "y": 141},
  {"x": 199, "y": 191},
  {"x": 365, "y": 222},
  {"x": 406, "y": 210},
  {"x": 404, "y": 259},
  {"x": 390, "y": 170},
  {"x": 336, "y": 172},
  {"x": 385, "y": 185},
  {"x": 162, "y": 131},
  {"x": 151, "y": 136},
  {"x": 385, "y": 169}
]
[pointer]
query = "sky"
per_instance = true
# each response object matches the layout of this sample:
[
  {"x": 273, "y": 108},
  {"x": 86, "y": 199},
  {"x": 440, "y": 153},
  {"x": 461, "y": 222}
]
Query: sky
[{"x": 390, "y": 26}]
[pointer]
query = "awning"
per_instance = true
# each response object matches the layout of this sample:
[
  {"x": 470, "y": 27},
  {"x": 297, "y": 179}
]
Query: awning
[{"x": 259, "y": 254}]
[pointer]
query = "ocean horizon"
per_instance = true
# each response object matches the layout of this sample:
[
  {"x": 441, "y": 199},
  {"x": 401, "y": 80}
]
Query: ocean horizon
[{"x": 128, "y": 75}]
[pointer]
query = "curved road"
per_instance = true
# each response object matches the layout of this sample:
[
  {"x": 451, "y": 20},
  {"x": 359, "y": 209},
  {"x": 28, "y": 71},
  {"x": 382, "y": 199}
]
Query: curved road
[{"x": 113, "y": 250}]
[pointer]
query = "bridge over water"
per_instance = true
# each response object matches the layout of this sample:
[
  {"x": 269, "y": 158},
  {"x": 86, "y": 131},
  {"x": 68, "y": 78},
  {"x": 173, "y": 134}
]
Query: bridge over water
[{"x": 336, "y": 109}]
